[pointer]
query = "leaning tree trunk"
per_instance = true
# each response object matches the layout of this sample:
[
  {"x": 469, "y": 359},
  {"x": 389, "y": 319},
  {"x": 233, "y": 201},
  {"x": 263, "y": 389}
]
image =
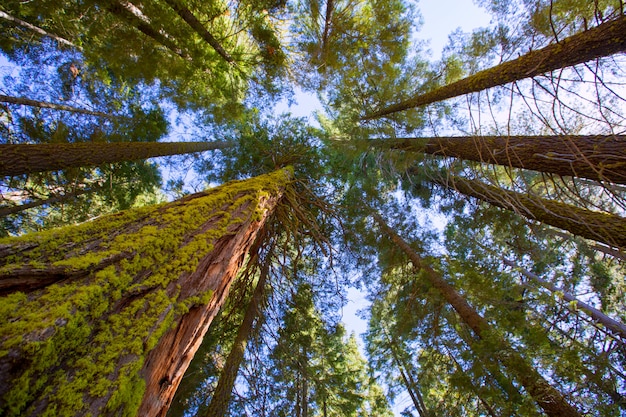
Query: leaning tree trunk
[
  {"x": 595, "y": 157},
  {"x": 221, "y": 396},
  {"x": 197, "y": 26},
  {"x": 59, "y": 198},
  {"x": 602, "y": 227},
  {"x": 134, "y": 16},
  {"x": 546, "y": 396},
  {"x": 603, "y": 40},
  {"x": 29, "y": 158},
  {"x": 615, "y": 327},
  {"x": 103, "y": 318},
  {"x": 38, "y": 30},
  {"x": 43, "y": 104}
]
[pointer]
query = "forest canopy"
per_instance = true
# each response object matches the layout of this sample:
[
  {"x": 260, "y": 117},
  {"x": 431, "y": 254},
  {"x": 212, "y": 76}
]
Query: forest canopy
[{"x": 173, "y": 244}]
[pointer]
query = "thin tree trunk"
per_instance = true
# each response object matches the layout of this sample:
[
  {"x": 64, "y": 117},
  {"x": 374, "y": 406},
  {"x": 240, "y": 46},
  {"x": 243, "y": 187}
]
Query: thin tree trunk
[
  {"x": 28, "y": 158},
  {"x": 61, "y": 198},
  {"x": 602, "y": 227},
  {"x": 596, "y": 315},
  {"x": 38, "y": 30},
  {"x": 117, "y": 341},
  {"x": 546, "y": 396},
  {"x": 196, "y": 25},
  {"x": 43, "y": 104},
  {"x": 221, "y": 396},
  {"x": 595, "y": 157},
  {"x": 330, "y": 4},
  {"x": 603, "y": 40},
  {"x": 133, "y": 15},
  {"x": 596, "y": 246}
]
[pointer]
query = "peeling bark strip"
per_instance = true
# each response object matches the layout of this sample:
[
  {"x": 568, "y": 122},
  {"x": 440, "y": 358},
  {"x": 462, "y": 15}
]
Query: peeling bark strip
[
  {"x": 595, "y": 157},
  {"x": 29, "y": 158},
  {"x": 546, "y": 396},
  {"x": 601, "y": 227},
  {"x": 43, "y": 104},
  {"x": 117, "y": 341},
  {"x": 603, "y": 40}
]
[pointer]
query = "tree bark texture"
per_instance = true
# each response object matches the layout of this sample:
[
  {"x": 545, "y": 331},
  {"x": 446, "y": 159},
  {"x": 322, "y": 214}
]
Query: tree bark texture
[
  {"x": 133, "y": 15},
  {"x": 196, "y": 25},
  {"x": 546, "y": 396},
  {"x": 614, "y": 326},
  {"x": 38, "y": 30},
  {"x": 28, "y": 158},
  {"x": 595, "y": 157},
  {"x": 221, "y": 396},
  {"x": 603, "y": 40},
  {"x": 602, "y": 227},
  {"x": 128, "y": 300},
  {"x": 43, "y": 104}
]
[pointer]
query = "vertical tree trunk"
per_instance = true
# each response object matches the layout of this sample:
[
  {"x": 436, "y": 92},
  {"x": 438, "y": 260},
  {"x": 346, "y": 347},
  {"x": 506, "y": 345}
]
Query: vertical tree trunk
[
  {"x": 133, "y": 15},
  {"x": 603, "y": 40},
  {"x": 546, "y": 396},
  {"x": 38, "y": 30},
  {"x": 127, "y": 300},
  {"x": 221, "y": 397},
  {"x": 602, "y": 227},
  {"x": 196, "y": 25},
  {"x": 42, "y": 104},
  {"x": 29, "y": 158},
  {"x": 595, "y": 157}
]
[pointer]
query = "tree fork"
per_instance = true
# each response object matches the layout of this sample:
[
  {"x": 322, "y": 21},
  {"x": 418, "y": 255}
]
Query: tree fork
[
  {"x": 603, "y": 40},
  {"x": 28, "y": 158},
  {"x": 595, "y": 157},
  {"x": 546, "y": 396}
]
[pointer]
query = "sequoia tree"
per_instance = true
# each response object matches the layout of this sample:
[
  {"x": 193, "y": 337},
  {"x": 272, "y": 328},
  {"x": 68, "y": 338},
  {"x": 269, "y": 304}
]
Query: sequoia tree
[{"x": 103, "y": 318}]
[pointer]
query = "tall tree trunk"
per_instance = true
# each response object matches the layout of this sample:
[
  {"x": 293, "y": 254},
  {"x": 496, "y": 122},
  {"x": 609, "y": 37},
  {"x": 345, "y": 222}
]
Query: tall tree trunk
[
  {"x": 221, "y": 396},
  {"x": 196, "y": 25},
  {"x": 43, "y": 104},
  {"x": 28, "y": 158},
  {"x": 134, "y": 16},
  {"x": 617, "y": 328},
  {"x": 603, "y": 40},
  {"x": 546, "y": 396},
  {"x": 602, "y": 227},
  {"x": 38, "y": 30},
  {"x": 596, "y": 157},
  {"x": 59, "y": 198},
  {"x": 132, "y": 297}
]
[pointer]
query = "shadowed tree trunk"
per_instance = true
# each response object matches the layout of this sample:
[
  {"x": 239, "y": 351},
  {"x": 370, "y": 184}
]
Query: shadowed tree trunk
[
  {"x": 126, "y": 302},
  {"x": 29, "y": 158},
  {"x": 43, "y": 104},
  {"x": 602, "y": 227},
  {"x": 603, "y": 40},
  {"x": 546, "y": 396},
  {"x": 134, "y": 16},
  {"x": 38, "y": 30},
  {"x": 196, "y": 25},
  {"x": 596, "y": 157},
  {"x": 221, "y": 397}
]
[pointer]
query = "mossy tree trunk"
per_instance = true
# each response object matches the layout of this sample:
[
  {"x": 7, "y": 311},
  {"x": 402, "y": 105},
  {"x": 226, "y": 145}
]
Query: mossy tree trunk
[
  {"x": 603, "y": 40},
  {"x": 221, "y": 396},
  {"x": 599, "y": 226},
  {"x": 45, "y": 105},
  {"x": 547, "y": 397},
  {"x": 596, "y": 157},
  {"x": 103, "y": 318},
  {"x": 29, "y": 158}
]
